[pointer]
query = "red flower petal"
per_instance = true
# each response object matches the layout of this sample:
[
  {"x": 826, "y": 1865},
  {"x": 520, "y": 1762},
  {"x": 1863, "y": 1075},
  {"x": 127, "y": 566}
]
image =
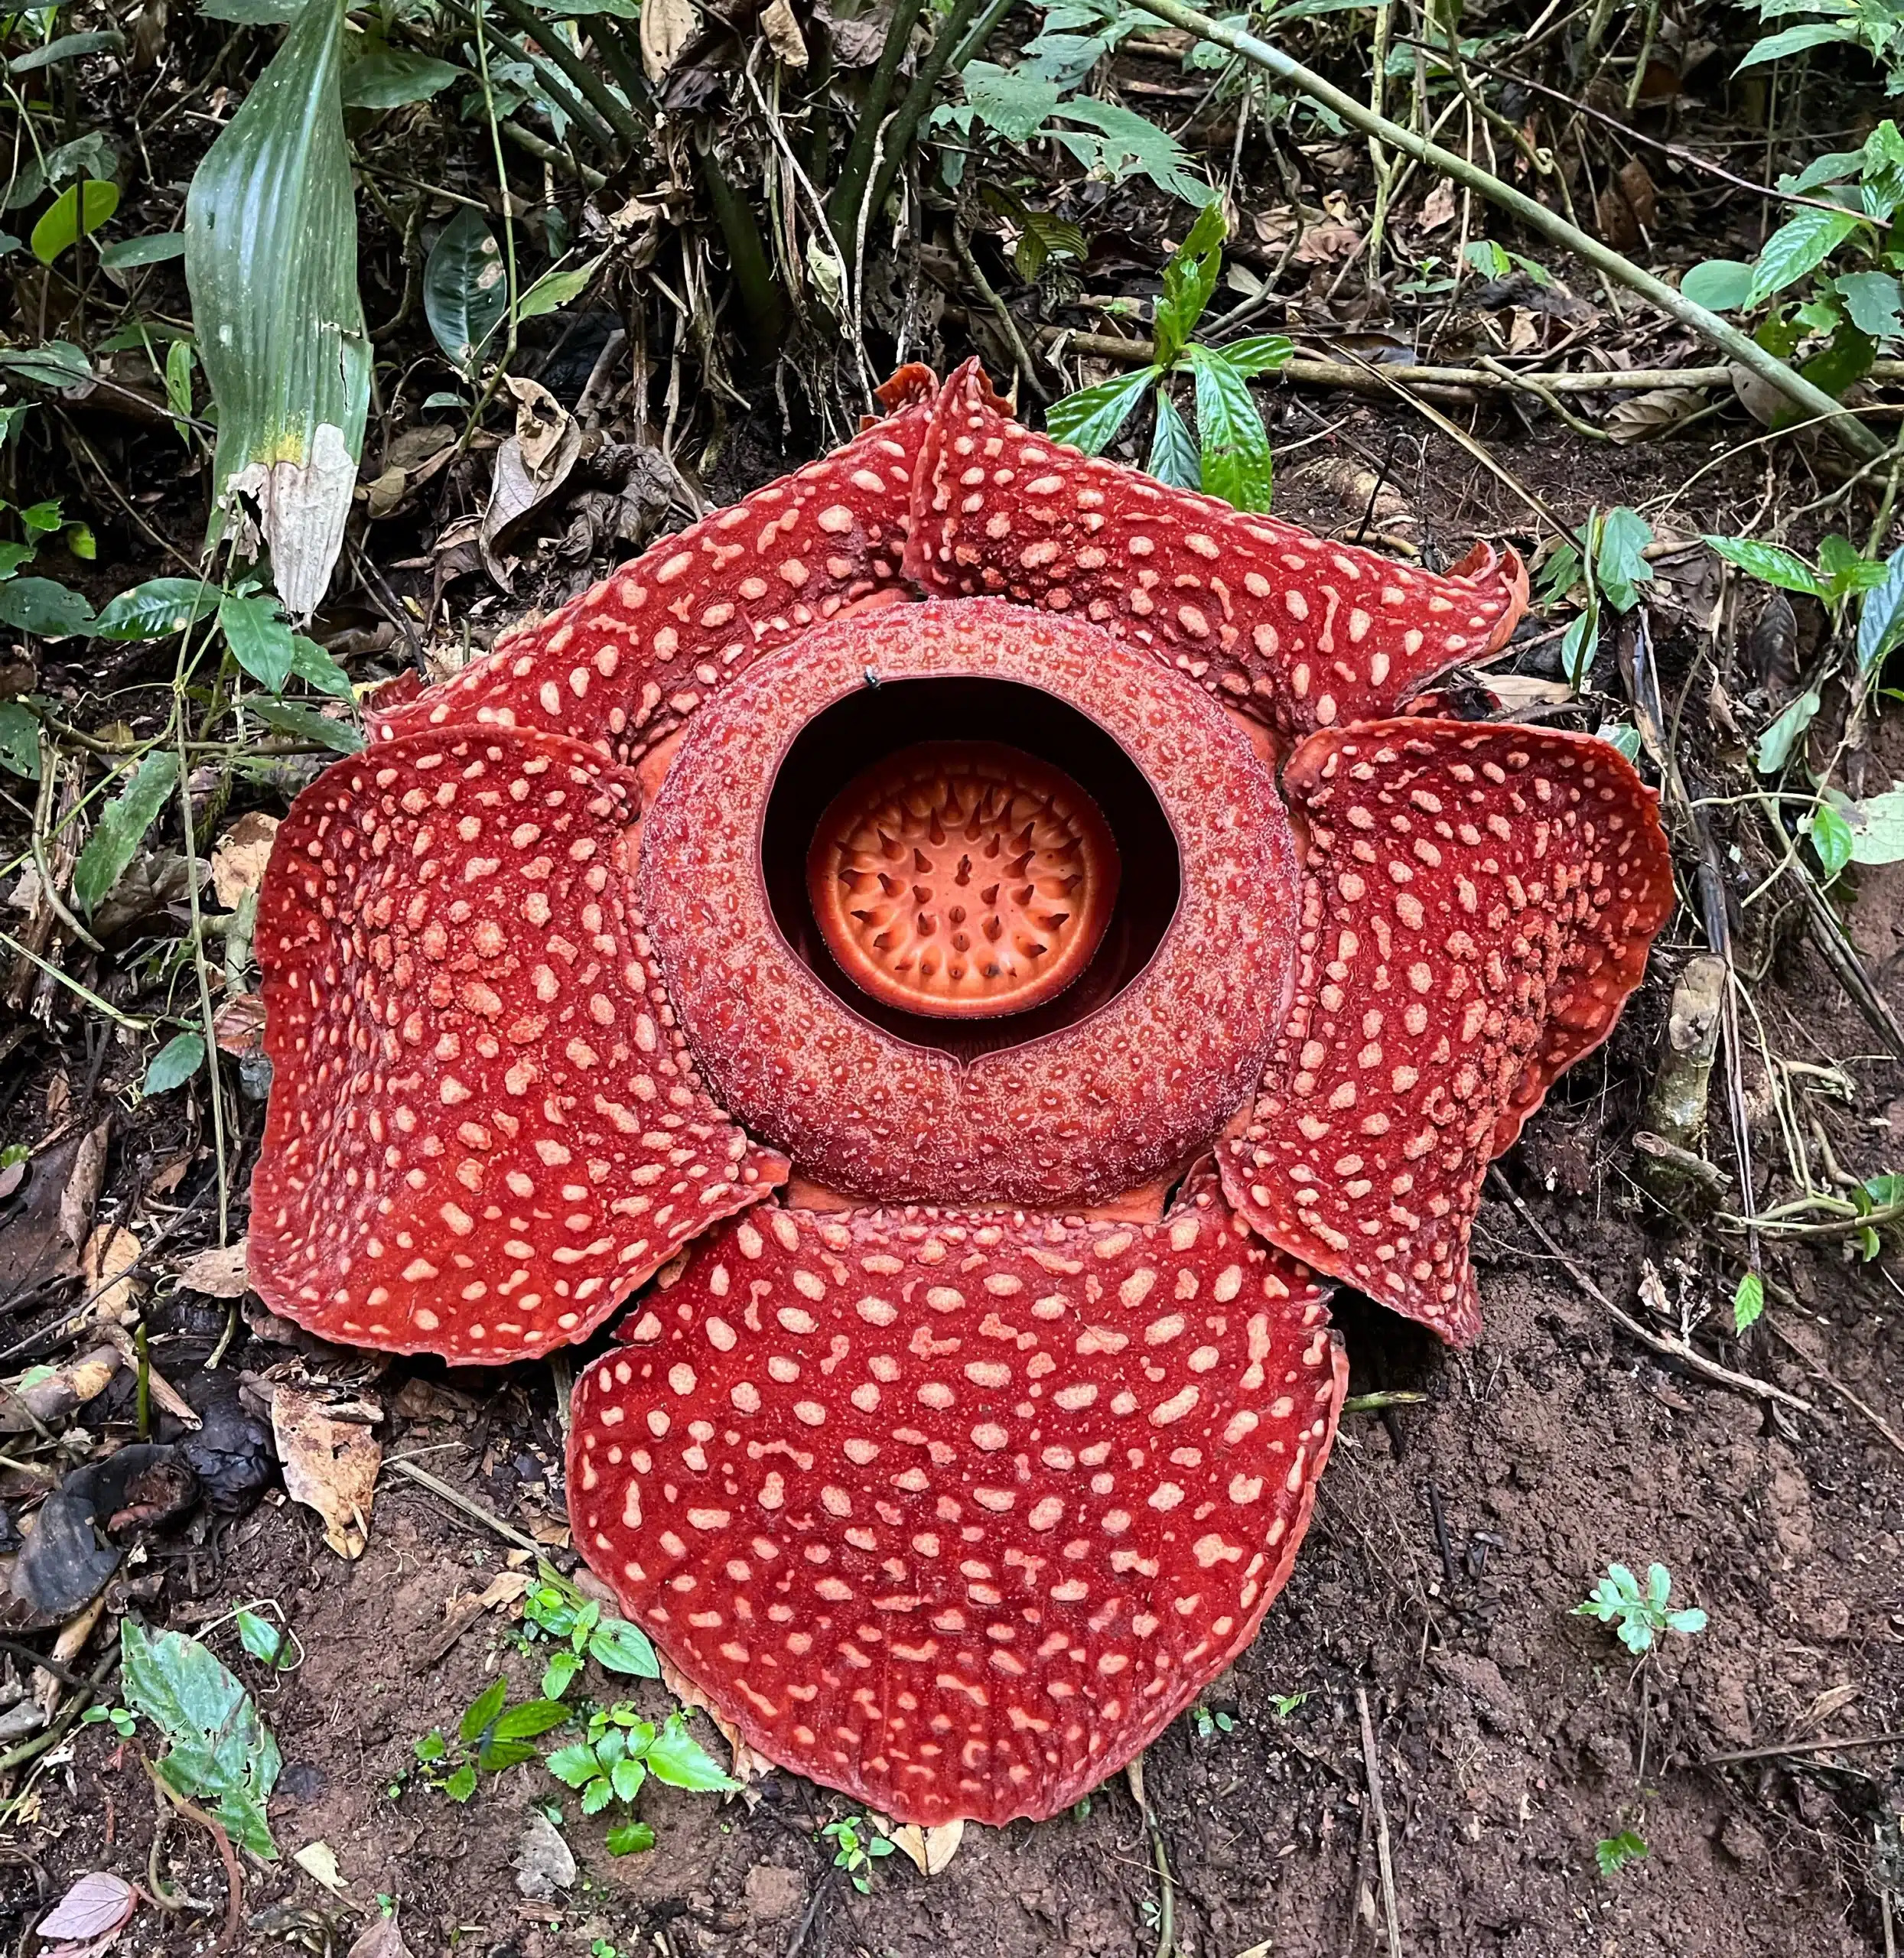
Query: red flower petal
[
  {"x": 622, "y": 667},
  {"x": 1298, "y": 631},
  {"x": 1066, "y": 1117},
  {"x": 954, "y": 1511},
  {"x": 1479, "y": 903},
  {"x": 484, "y": 1130}
]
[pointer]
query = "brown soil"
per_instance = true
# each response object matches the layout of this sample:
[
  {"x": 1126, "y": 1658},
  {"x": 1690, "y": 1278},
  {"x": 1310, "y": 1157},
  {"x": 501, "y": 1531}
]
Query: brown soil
[{"x": 1451, "y": 1539}]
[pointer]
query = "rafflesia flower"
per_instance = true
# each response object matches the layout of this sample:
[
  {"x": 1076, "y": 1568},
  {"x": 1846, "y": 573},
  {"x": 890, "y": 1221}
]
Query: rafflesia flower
[{"x": 980, "y": 930}]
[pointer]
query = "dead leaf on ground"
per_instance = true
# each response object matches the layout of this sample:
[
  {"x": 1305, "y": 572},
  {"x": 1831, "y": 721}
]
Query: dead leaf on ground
[
  {"x": 1642, "y": 418},
  {"x": 51, "y": 1401},
  {"x": 380, "y": 1938},
  {"x": 217, "y": 1273},
  {"x": 932, "y": 1849},
  {"x": 1517, "y": 692},
  {"x": 239, "y": 856},
  {"x": 1325, "y": 244},
  {"x": 319, "y": 1862},
  {"x": 95, "y": 1906},
  {"x": 111, "y": 1253},
  {"x": 330, "y": 1466},
  {"x": 783, "y": 34},
  {"x": 531, "y": 466},
  {"x": 1437, "y": 207},
  {"x": 238, "y": 1025}
]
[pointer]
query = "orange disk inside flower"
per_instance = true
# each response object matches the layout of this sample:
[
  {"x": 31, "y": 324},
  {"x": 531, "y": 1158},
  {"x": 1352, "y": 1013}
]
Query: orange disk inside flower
[{"x": 963, "y": 879}]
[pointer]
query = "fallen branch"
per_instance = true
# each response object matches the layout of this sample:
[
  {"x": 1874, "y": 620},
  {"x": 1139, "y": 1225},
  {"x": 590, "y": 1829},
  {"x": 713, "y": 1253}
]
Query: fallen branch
[
  {"x": 1737, "y": 346},
  {"x": 1383, "y": 1858}
]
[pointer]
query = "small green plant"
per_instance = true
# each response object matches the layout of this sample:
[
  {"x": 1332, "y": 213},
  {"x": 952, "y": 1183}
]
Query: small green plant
[
  {"x": 1228, "y": 456},
  {"x": 1614, "y": 1852},
  {"x": 556, "y": 1610},
  {"x": 1286, "y": 1703},
  {"x": 1748, "y": 1303},
  {"x": 273, "y": 1645},
  {"x": 857, "y": 1846},
  {"x": 124, "y": 1720},
  {"x": 620, "y": 1750},
  {"x": 492, "y": 1735},
  {"x": 1210, "y": 1722},
  {"x": 1638, "y": 1613},
  {"x": 1607, "y": 563}
]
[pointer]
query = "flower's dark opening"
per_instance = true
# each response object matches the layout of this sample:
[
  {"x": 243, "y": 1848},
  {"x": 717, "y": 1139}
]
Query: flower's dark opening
[{"x": 967, "y": 748}]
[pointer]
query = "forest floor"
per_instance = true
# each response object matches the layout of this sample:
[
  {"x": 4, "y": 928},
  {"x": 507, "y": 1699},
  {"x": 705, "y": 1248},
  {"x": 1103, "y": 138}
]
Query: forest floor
[{"x": 1454, "y": 1533}]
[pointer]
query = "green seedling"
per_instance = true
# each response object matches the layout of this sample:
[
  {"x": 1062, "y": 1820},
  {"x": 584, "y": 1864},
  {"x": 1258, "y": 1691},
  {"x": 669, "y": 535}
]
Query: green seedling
[
  {"x": 1614, "y": 1852},
  {"x": 613, "y": 1761},
  {"x": 124, "y": 1720},
  {"x": 1639, "y": 1615},
  {"x": 1209, "y": 1722},
  {"x": 556, "y": 1610},
  {"x": 1286, "y": 1703},
  {"x": 857, "y": 1846},
  {"x": 492, "y": 1736}
]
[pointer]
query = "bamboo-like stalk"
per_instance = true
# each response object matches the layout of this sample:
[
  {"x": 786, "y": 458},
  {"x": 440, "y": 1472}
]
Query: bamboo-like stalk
[
  {"x": 843, "y": 207},
  {"x": 1739, "y": 346},
  {"x": 912, "y": 110},
  {"x": 761, "y": 298},
  {"x": 606, "y": 103}
]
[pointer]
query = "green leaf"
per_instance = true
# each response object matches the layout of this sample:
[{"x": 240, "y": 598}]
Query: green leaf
[
  {"x": 1009, "y": 105},
  {"x": 155, "y": 248},
  {"x": 54, "y": 363},
  {"x": 626, "y": 1839},
  {"x": 41, "y": 518},
  {"x": 304, "y": 723},
  {"x": 270, "y": 257},
  {"x": 178, "y": 377},
  {"x": 675, "y": 1757},
  {"x": 1236, "y": 462},
  {"x": 80, "y": 208},
  {"x": 12, "y": 556},
  {"x": 1090, "y": 419},
  {"x": 250, "y": 13},
  {"x": 19, "y": 740},
  {"x": 259, "y": 639},
  {"x": 1614, "y": 1852},
  {"x": 1876, "y": 828},
  {"x": 67, "y": 47},
  {"x": 431, "y": 1747},
  {"x": 385, "y": 77},
  {"x": 1619, "y": 566},
  {"x": 1847, "y": 358},
  {"x": 483, "y": 1710},
  {"x": 1721, "y": 285},
  {"x": 173, "y": 1065},
  {"x": 597, "y": 1796},
  {"x": 1748, "y": 1303},
  {"x": 532, "y": 1717},
  {"x": 553, "y": 291},
  {"x": 1173, "y": 457},
  {"x": 43, "y": 605},
  {"x": 1771, "y": 563},
  {"x": 219, "y": 1750},
  {"x": 1687, "y": 1622},
  {"x": 1775, "y": 744},
  {"x": 1795, "y": 40},
  {"x": 625, "y": 1778},
  {"x": 1831, "y": 839},
  {"x": 1259, "y": 353},
  {"x": 1488, "y": 258},
  {"x": 1126, "y": 144},
  {"x": 462, "y": 1784},
  {"x": 1580, "y": 647},
  {"x": 153, "y": 610},
  {"x": 494, "y": 1755},
  {"x": 559, "y": 1674},
  {"x": 465, "y": 288},
  {"x": 9, "y": 416},
  {"x": 1847, "y": 567},
  {"x": 618, "y": 1647},
  {"x": 1799, "y": 246},
  {"x": 88, "y": 155},
  {"x": 574, "y": 1765},
  {"x": 1873, "y": 300},
  {"x": 1881, "y": 617},
  {"x": 259, "y": 1637},
  {"x": 1189, "y": 279}
]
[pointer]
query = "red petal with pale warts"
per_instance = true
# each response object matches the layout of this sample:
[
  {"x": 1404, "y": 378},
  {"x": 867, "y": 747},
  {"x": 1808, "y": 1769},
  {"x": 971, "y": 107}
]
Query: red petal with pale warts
[
  {"x": 1298, "y": 631},
  {"x": 957, "y": 1511},
  {"x": 484, "y": 1129},
  {"x": 622, "y": 667},
  {"x": 1478, "y": 904}
]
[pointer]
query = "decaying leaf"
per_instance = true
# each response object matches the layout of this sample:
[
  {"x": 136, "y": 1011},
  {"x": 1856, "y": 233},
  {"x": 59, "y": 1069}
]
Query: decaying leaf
[
  {"x": 931, "y": 1849},
  {"x": 531, "y": 465},
  {"x": 95, "y": 1906},
  {"x": 784, "y": 35},
  {"x": 1642, "y": 418},
  {"x": 239, "y": 856},
  {"x": 379, "y": 1938},
  {"x": 107, "y": 1265},
  {"x": 217, "y": 1273},
  {"x": 330, "y": 1466},
  {"x": 319, "y": 1862},
  {"x": 270, "y": 257},
  {"x": 667, "y": 26},
  {"x": 48, "y": 1403},
  {"x": 238, "y": 1025}
]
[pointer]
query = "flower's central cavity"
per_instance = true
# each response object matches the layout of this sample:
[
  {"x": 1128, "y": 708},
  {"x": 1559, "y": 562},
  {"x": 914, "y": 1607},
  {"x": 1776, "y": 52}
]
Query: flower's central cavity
[
  {"x": 962, "y": 878},
  {"x": 968, "y": 862}
]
